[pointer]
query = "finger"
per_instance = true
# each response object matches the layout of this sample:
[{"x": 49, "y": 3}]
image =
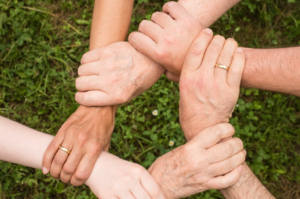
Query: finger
[
  {"x": 197, "y": 50},
  {"x": 93, "y": 98},
  {"x": 211, "y": 55},
  {"x": 126, "y": 195},
  {"x": 228, "y": 180},
  {"x": 85, "y": 168},
  {"x": 139, "y": 192},
  {"x": 142, "y": 43},
  {"x": 209, "y": 137},
  {"x": 150, "y": 29},
  {"x": 236, "y": 69},
  {"x": 71, "y": 165},
  {"x": 162, "y": 19},
  {"x": 225, "y": 58},
  {"x": 172, "y": 77},
  {"x": 224, "y": 150},
  {"x": 175, "y": 10},
  {"x": 51, "y": 151},
  {"x": 91, "y": 68},
  {"x": 227, "y": 165},
  {"x": 151, "y": 186},
  {"x": 89, "y": 83},
  {"x": 91, "y": 56},
  {"x": 60, "y": 159}
]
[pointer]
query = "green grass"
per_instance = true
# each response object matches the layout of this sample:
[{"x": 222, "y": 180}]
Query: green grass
[{"x": 39, "y": 56}]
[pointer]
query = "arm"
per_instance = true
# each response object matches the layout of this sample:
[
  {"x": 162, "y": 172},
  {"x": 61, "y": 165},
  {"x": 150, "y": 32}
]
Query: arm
[
  {"x": 94, "y": 85},
  {"x": 25, "y": 146},
  {"x": 111, "y": 20},
  {"x": 273, "y": 69},
  {"x": 248, "y": 187},
  {"x": 88, "y": 131},
  {"x": 207, "y": 11}
]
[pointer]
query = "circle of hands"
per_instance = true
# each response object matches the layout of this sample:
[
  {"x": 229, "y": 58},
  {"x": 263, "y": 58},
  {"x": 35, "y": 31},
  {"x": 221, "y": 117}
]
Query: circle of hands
[{"x": 176, "y": 44}]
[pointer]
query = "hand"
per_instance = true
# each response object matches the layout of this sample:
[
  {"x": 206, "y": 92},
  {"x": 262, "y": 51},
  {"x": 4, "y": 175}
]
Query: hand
[
  {"x": 115, "y": 178},
  {"x": 86, "y": 133},
  {"x": 114, "y": 75},
  {"x": 202, "y": 164},
  {"x": 208, "y": 94},
  {"x": 167, "y": 38}
]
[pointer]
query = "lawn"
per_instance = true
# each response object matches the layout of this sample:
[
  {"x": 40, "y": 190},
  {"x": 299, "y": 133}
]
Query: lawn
[{"x": 41, "y": 44}]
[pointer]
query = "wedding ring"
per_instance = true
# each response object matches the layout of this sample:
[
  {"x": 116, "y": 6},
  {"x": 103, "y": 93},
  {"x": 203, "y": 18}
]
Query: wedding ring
[
  {"x": 222, "y": 66},
  {"x": 65, "y": 150}
]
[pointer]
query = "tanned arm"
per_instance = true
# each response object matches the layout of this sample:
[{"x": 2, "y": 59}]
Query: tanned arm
[{"x": 89, "y": 129}]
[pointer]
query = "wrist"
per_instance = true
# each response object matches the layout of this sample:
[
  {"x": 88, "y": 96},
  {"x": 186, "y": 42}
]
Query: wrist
[{"x": 248, "y": 187}]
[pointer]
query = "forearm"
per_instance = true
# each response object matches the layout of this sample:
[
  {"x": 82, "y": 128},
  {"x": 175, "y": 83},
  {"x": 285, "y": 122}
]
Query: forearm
[
  {"x": 207, "y": 11},
  {"x": 273, "y": 69},
  {"x": 111, "y": 20},
  {"x": 25, "y": 146},
  {"x": 110, "y": 24},
  {"x": 248, "y": 187},
  {"x": 22, "y": 145}
]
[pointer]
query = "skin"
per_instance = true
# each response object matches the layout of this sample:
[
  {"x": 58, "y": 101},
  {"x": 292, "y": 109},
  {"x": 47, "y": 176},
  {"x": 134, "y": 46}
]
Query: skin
[
  {"x": 266, "y": 69},
  {"x": 212, "y": 91},
  {"x": 88, "y": 131},
  {"x": 113, "y": 177},
  {"x": 203, "y": 163},
  {"x": 124, "y": 180},
  {"x": 207, "y": 12},
  {"x": 248, "y": 186}
]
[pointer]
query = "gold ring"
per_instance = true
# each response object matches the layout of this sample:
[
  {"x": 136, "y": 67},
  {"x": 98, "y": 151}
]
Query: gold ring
[
  {"x": 65, "y": 150},
  {"x": 222, "y": 66}
]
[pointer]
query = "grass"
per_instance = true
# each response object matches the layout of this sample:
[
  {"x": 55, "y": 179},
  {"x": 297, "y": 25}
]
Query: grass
[{"x": 40, "y": 48}]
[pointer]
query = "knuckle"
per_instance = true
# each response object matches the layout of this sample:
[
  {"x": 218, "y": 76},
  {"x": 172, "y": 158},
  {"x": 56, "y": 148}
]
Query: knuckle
[
  {"x": 82, "y": 139},
  {"x": 81, "y": 176},
  {"x": 227, "y": 165},
  {"x": 128, "y": 178},
  {"x": 169, "y": 40},
  {"x": 68, "y": 170},
  {"x": 95, "y": 149},
  {"x": 159, "y": 53},
  {"x": 214, "y": 48},
  {"x": 196, "y": 49},
  {"x": 137, "y": 170},
  {"x": 225, "y": 56},
  {"x": 217, "y": 131},
  {"x": 227, "y": 149},
  {"x": 59, "y": 159}
]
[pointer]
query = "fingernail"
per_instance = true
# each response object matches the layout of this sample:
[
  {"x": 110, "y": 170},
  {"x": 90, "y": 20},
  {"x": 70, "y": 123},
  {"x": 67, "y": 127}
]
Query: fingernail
[
  {"x": 239, "y": 50},
  {"x": 171, "y": 4},
  {"x": 45, "y": 170},
  {"x": 208, "y": 31},
  {"x": 240, "y": 168}
]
